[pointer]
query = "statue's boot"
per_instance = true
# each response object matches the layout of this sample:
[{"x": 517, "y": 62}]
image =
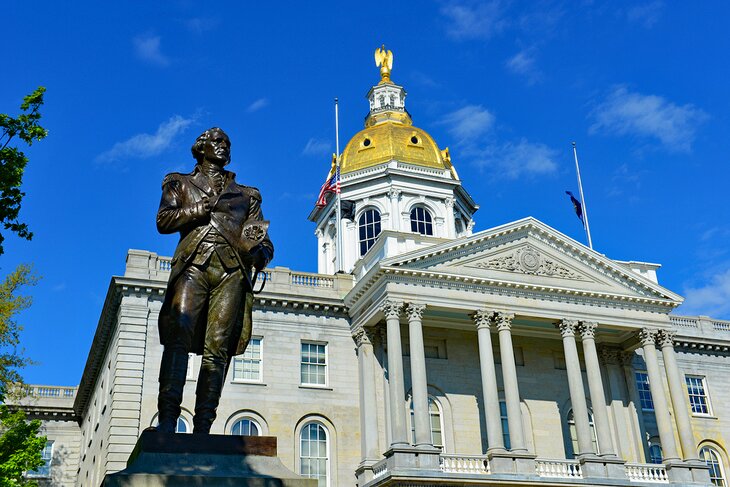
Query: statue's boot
[
  {"x": 207, "y": 395},
  {"x": 173, "y": 370}
]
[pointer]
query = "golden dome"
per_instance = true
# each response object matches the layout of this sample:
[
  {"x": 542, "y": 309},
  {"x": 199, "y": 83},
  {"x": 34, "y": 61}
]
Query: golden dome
[{"x": 390, "y": 140}]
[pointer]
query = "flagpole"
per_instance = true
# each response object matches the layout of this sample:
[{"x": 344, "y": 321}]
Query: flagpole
[
  {"x": 339, "y": 266},
  {"x": 582, "y": 198}
]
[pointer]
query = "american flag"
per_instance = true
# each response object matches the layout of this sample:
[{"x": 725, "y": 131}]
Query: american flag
[{"x": 332, "y": 185}]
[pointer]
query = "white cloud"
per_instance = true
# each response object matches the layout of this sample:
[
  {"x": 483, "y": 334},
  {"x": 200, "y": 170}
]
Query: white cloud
[
  {"x": 147, "y": 48},
  {"x": 712, "y": 299},
  {"x": 624, "y": 112},
  {"x": 523, "y": 63},
  {"x": 317, "y": 147},
  {"x": 257, "y": 105},
  {"x": 513, "y": 160},
  {"x": 199, "y": 25},
  {"x": 478, "y": 20},
  {"x": 646, "y": 14},
  {"x": 147, "y": 145},
  {"x": 468, "y": 123}
]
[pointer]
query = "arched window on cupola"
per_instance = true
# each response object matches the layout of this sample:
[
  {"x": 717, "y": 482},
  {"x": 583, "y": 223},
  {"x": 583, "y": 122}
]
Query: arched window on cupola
[
  {"x": 421, "y": 221},
  {"x": 368, "y": 226}
]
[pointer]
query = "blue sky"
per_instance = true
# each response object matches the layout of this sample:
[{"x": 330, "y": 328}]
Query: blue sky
[{"x": 640, "y": 85}]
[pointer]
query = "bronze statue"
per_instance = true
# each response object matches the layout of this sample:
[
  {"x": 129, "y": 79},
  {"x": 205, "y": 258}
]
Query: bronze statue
[{"x": 207, "y": 307}]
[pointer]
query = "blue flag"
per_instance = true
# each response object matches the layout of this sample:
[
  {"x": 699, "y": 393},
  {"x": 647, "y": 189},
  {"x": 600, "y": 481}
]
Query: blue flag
[{"x": 577, "y": 207}]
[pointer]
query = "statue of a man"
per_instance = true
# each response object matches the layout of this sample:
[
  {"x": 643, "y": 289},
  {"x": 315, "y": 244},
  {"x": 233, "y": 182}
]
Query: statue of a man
[{"x": 207, "y": 307}]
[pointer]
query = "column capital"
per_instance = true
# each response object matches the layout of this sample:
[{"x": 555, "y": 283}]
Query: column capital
[
  {"x": 362, "y": 337},
  {"x": 504, "y": 320},
  {"x": 391, "y": 308},
  {"x": 665, "y": 338},
  {"x": 647, "y": 336},
  {"x": 567, "y": 327},
  {"x": 414, "y": 311},
  {"x": 483, "y": 318},
  {"x": 610, "y": 355},
  {"x": 588, "y": 330},
  {"x": 449, "y": 202},
  {"x": 394, "y": 193}
]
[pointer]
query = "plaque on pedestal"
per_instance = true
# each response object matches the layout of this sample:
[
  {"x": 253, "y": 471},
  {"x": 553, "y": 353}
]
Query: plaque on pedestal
[{"x": 174, "y": 459}]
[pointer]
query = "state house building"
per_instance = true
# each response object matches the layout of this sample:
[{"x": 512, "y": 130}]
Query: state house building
[{"x": 512, "y": 356}]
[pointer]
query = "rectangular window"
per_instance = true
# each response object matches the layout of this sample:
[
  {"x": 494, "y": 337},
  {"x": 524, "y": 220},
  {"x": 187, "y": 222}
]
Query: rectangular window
[
  {"x": 247, "y": 367},
  {"x": 45, "y": 469},
  {"x": 642, "y": 385},
  {"x": 505, "y": 424},
  {"x": 314, "y": 364},
  {"x": 697, "y": 390}
]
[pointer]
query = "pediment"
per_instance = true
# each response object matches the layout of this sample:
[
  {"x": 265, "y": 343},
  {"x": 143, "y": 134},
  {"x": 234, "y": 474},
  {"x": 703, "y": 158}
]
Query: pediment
[{"x": 530, "y": 254}]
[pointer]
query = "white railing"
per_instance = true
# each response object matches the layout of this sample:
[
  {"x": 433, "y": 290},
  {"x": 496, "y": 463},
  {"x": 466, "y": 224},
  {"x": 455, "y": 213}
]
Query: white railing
[
  {"x": 684, "y": 321},
  {"x": 46, "y": 391},
  {"x": 312, "y": 280},
  {"x": 563, "y": 469},
  {"x": 164, "y": 263},
  {"x": 380, "y": 469},
  {"x": 647, "y": 472},
  {"x": 464, "y": 464},
  {"x": 721, "y": 325}
]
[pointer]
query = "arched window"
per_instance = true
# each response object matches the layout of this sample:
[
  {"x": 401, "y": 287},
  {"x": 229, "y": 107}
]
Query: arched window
[
  {"x": 655, "y": 454},
  {"x": 369, "y": 228},
  {"x": 710, "y": 456},
  {"x": 246, "y": 427},
  {"x": 314, "y": 453},
  {"x": 421, "y": 221},
  {"x": 181, "y": 427},
  {"x": 574, "y": 433},
  {"x": 434, "y": 414}
]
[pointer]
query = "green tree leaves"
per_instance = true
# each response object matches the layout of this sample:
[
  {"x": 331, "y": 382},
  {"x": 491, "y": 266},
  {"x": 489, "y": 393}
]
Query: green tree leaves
[{"x": 25, "y": 127}]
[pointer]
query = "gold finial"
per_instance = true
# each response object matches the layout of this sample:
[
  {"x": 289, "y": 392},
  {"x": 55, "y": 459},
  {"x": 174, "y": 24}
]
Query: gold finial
[{"x": 384, "y": 59}]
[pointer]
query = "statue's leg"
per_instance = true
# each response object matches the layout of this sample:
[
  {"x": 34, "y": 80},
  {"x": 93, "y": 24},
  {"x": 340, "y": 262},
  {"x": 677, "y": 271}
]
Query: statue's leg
[
  {"x": 226, "y": 299},
  {"x": 189, "y": 296}
]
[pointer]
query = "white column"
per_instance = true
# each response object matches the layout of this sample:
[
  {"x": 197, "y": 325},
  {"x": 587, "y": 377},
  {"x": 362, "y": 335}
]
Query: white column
[
  {"x": 595, "y": 386},
  {"x": 661, "y": 411},
  {"x": 493, "y": 420},
  {"x": 368, "y": 403},
  {"x": 678, "y": 393},
  {"x": 419, "y": 382},
  {"x": 394, "y": 195},
  {"x": 450, "y": 223},
  {"x": 398, "y": 435},
  {"x": 575, "y": 385},
  {"x": 509, "y": 377}
]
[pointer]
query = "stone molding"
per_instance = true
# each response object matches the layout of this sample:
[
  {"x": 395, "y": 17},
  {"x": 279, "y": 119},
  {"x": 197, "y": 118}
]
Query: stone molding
[
  {"x": 610, "y": 355},
  {"x": 527, "y": 260},
  {"x": 567, "y": 327},
  {"x": 362, "y": 337},
  {"x": 504, "y": 320},
  {"x": 415, "y": 311},
  {"x": 391, "y": 308}
]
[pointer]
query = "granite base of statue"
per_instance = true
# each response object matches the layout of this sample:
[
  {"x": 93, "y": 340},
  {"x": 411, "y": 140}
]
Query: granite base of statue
[{"x": 176, "y": 459}]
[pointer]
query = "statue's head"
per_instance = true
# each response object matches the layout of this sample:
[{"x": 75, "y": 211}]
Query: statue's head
[{"x": 214, "y": 146}]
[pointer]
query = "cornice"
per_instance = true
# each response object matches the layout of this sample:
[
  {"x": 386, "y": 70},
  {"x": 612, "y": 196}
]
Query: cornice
[{"x": 497, "y": 286}]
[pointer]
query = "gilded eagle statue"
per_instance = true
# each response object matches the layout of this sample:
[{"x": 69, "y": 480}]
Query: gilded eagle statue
[{"x": 384, "y": 59}]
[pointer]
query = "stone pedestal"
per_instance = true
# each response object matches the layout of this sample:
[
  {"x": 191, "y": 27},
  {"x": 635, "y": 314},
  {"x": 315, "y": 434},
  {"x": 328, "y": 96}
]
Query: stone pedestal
[
  {"x": 604, "y": 467},
  {"x": 511, "y": 462},
  {"x": 172, "y": 459},
  {"x": 693, "y": 472}
]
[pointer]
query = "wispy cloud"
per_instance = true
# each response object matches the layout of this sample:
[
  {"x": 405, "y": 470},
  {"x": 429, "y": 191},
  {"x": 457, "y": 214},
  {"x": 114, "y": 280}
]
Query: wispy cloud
[
  {"x": 516, "y": 159},
  {"x": 712, "y": 299},
  {"x": 257, "y": 105},
  {"x": 147, "y": 48},
  {"x": 646, "y": 14},
  {"x": 468, "y": 123},
  {"x": 147, "y": 145},
  {"x": 625, "y": 181},
  {"x": 474, "y": 20},
  {"x": 200, "y": 25},
  {"x": 524, "y": 64},
  {"x": 624, "y": 112},
  {"x": 317, "y": 147}
]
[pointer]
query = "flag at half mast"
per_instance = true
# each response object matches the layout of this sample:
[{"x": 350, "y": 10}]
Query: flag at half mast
[{"x": 332, "y": 185}]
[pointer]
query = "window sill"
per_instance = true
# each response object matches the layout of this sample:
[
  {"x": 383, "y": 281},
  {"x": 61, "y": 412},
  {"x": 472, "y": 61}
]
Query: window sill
[
  {"x": 703, "y": 416},
  {"x": 315, "y": 386},
  {"x": 248, "y": 382}
]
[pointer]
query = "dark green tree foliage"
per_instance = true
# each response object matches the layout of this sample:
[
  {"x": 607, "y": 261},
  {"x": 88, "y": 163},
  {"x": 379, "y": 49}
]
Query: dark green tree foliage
[
  {"x": 13, "y": 161},
  {"x": 20, "y": 447}
]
